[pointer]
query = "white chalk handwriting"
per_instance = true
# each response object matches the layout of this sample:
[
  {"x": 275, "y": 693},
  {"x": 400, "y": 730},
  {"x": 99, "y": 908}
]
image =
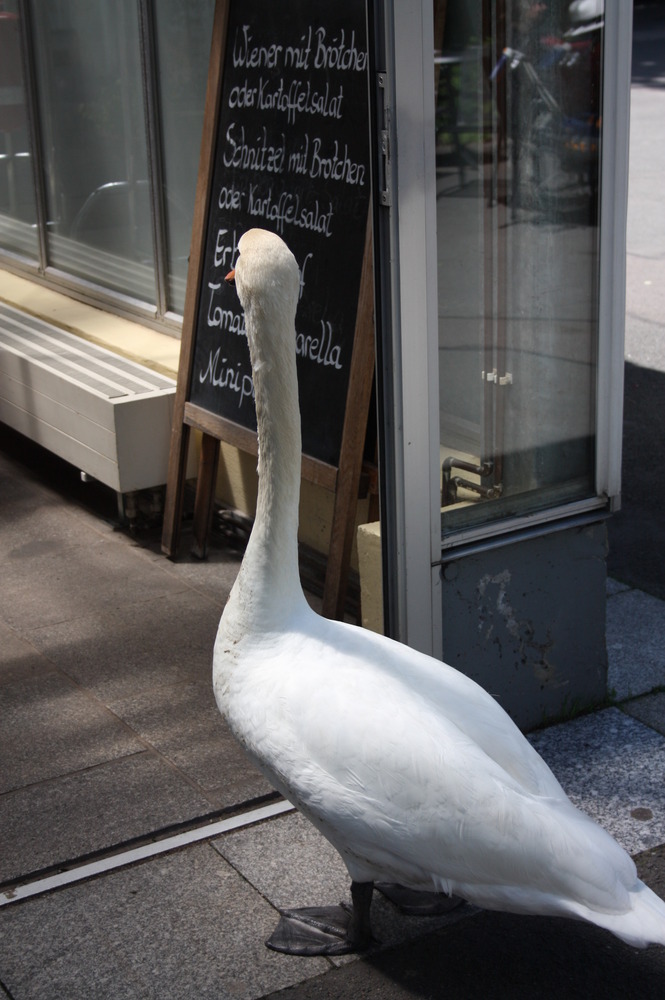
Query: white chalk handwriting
[
  {"x": 225, "y": 319},
  {"x": 336, "y": 52},
  {"x": 256, "y": 154},
  {"x": 320, "y": 349},
  {"x": 292, "y": 98},
  {"x": 222, "y": 374},
  {"x": 288, "y": 208}
]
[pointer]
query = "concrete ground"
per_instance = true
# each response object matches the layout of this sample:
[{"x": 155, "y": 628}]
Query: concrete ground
[
  {"x": 119, "y": 876},
  {"x": 141, "y": 857}
]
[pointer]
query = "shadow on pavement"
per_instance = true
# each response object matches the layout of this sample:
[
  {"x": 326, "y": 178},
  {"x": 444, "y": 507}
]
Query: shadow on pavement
[{"x": 637, "y": 532}]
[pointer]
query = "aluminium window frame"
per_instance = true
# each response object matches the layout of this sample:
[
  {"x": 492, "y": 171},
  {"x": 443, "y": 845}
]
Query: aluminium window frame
[
  {"x": 407, "y": 320},
  {"x": 406, "y": 267}
]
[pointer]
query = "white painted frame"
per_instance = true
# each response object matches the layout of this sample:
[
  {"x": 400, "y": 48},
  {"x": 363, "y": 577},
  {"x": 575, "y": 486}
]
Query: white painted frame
[
  {"x": 414, "y": 311},
  {"x": 410, "y": 65},
  {"x": 612, "y": 268}
]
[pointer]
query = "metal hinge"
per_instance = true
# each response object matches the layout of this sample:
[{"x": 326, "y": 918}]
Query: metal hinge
[
  {"x": 385, "y": 196},
  {"x": 494, "y": 376}
]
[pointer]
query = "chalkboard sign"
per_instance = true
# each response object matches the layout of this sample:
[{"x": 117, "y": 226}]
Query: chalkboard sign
[
  {"x": 291, "y": 156},
  {"x": 285, "y": 147}
]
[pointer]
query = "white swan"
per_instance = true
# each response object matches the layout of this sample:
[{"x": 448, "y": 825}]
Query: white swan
[{"x": 408, "y": 767}]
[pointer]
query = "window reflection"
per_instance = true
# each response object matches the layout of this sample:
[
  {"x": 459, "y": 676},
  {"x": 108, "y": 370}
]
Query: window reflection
[
  {"x": 95, "y": 81},
  {"x": 17, "y": 199},
  {"x": 183, "y": 29},
  {"x": 517, "y": 146},
  {"x": 93, "y": 136}
]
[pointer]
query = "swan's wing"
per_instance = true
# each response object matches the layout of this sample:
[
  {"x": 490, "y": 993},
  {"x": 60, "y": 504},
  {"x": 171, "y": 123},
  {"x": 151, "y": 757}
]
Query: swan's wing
[
  {"x": 413, "y": 791},
  {"x": 456, "y": 697},
  {"x": 405, "y": 793}
]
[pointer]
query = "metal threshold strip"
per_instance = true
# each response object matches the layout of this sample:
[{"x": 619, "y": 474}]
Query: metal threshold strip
[{"x": 112, "y": 862}]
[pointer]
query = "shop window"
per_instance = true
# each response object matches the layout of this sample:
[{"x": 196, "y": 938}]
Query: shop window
[
  {"x": 107, "y": 183},
  {"x": 517, "y": 168},
  {"x": 18, "y": 213},
  {"x": 182, "y": 40}
]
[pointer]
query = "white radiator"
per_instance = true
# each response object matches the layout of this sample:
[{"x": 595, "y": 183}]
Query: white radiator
[{"x": 106, "y": 415}]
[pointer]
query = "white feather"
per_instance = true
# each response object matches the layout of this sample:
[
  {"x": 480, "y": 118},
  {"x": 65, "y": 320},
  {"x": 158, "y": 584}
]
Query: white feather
[{"x": 409, "y": 768}]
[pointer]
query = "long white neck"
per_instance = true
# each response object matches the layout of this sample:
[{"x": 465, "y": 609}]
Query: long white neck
[{"x": 267, "y": 591}]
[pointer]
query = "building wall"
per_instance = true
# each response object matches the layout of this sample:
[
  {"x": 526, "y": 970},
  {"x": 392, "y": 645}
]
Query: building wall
[{"x": 527, "y": 621}]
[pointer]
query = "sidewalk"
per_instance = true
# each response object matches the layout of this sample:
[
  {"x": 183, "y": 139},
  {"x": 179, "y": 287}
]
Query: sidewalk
[{"x": 111, "y": 741}]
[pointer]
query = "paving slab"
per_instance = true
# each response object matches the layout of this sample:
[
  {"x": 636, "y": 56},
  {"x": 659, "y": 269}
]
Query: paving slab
[
  {"x": 39, "y": 525},
  {"x": 612, "y": 767},
  {"x": 288, "y": 861},
  {"x": 183, "y": 723},
  {"x": 49, "y": 727},
  {"x": 181, "y": 927},
  {"x": 649, "y": 709},
  {"x": 19, "y": 660},
  {"x": 213, "y": 576},
  {"x": 24, "y": 493},
  {"x": 613, "y": 586},
  {"x": 105, "y": 663},
  {"x": 118, "y": 653},
  {"x": 36, "y": 525},
  {"x": 635, "y": 636},
  {"x": 70, "y": 581},
  {"x": 47, "y": 824}
]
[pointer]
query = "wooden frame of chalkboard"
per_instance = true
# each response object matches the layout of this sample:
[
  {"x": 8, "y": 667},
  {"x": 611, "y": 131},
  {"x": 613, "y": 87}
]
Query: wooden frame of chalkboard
[{"x": 285, "y": 147}]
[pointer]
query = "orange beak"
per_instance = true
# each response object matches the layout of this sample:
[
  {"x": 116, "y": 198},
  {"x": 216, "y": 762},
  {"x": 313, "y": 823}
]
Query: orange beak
[{"x": 231, "y": 276}]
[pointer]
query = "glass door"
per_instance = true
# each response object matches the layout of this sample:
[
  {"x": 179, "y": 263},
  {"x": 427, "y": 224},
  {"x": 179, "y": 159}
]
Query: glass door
[{"x": 500, "y": 200}]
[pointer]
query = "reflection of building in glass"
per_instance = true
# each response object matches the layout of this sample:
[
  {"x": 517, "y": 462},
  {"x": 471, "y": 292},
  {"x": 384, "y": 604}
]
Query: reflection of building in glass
[
  {"x": 97, "y": 177},
  {"x": 518, "y": 128}
]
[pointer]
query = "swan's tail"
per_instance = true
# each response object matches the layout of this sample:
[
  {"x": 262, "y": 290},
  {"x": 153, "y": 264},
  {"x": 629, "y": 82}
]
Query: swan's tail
[{"x": 642, "y": 924}]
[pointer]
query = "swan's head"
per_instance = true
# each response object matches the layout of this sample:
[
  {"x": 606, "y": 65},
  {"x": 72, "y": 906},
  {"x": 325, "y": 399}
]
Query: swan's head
[{"x": 267, "y": 280}]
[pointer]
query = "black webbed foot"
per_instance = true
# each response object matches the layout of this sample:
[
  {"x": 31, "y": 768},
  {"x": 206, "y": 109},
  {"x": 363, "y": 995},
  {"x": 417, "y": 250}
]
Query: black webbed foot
[
  {"x": 313, "y": 931},
  {"x": 327, "y": 930}
]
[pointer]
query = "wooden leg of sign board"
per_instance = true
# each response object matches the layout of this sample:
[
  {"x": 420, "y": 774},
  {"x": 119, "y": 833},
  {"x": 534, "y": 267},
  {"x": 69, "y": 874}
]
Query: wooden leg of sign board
[
  {"x": 353, "y": 443},
  {"x": 205, "y": 494},
  {"x": 175, "y": 488}
]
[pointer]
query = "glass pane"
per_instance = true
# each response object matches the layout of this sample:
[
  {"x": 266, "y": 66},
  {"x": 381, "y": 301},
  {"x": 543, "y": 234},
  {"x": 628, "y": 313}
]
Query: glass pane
[
  {"x": 18, "y": 215},
  {"x": 183, "y": 31},
  {"x": 517, "y": 119},
  {"x": 94, "y": 141}
]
